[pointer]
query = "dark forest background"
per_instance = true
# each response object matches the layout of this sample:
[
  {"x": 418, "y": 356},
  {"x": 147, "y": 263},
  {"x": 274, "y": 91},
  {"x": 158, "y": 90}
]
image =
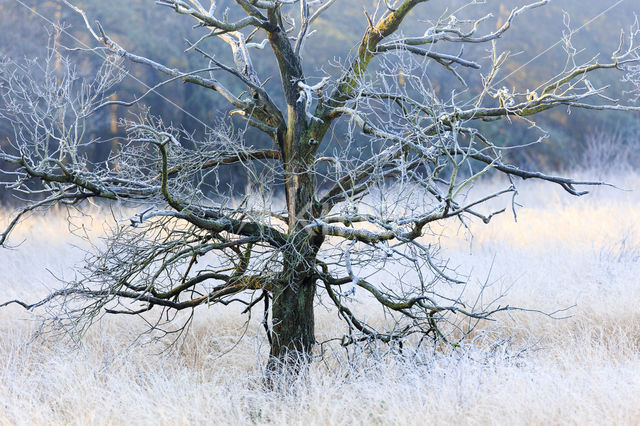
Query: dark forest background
[{"x": 156, "y": 32}]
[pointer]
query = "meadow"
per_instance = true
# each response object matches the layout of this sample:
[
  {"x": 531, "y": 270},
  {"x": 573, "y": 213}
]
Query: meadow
[{"x": 563, "y": 252}]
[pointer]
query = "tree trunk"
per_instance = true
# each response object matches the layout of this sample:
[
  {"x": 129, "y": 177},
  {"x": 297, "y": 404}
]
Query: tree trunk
[
  {"x": 293, "y": 324},
  {"x": 292, "y": 309}
]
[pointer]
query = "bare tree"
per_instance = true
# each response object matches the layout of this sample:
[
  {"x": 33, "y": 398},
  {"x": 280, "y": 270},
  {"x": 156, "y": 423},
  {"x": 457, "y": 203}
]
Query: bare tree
[{"x": 353, "y": 205}]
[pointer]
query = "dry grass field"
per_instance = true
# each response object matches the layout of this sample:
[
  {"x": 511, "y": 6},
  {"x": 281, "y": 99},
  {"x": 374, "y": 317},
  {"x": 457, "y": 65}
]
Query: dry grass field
[{"x": 562, "y": 252}]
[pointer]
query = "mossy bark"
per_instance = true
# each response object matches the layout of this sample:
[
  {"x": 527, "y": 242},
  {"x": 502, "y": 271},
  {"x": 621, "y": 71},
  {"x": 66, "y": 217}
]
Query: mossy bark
[
  {"x": 293, "y": 323},
  {"x": 293, "y": 298}
]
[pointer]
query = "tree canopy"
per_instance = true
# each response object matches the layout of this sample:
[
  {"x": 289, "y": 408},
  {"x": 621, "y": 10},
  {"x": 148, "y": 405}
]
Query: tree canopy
[{"x": 369, "y": 157}]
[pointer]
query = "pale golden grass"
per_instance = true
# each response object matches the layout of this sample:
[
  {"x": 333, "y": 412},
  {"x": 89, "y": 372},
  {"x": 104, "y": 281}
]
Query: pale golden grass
[{"x": 562, "y": 252}]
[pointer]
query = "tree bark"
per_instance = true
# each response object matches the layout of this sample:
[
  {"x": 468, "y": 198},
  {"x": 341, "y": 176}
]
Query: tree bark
[
  {"x": 292, "y": 310},
  {"x": 293, "y": 324},
  {"x": 293, "y": 298}
]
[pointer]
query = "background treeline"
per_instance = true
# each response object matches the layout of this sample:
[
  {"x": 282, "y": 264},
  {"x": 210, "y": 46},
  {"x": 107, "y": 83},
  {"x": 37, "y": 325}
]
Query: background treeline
[{"x": 158, "y": 33}]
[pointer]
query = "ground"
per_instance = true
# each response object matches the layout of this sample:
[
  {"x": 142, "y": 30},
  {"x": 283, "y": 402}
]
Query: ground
[{"x": 562, "y": 252}]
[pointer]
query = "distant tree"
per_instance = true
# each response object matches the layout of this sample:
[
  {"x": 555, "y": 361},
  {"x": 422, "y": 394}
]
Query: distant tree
[{"x": 346, "y": 218}]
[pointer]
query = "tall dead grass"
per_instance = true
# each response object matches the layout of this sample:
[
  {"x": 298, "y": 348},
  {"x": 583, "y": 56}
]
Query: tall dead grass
[{"x": 562, "y": 252}]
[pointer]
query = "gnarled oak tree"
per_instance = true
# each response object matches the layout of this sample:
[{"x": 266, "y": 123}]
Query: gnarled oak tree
[{"x": 355, "y": 201}]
